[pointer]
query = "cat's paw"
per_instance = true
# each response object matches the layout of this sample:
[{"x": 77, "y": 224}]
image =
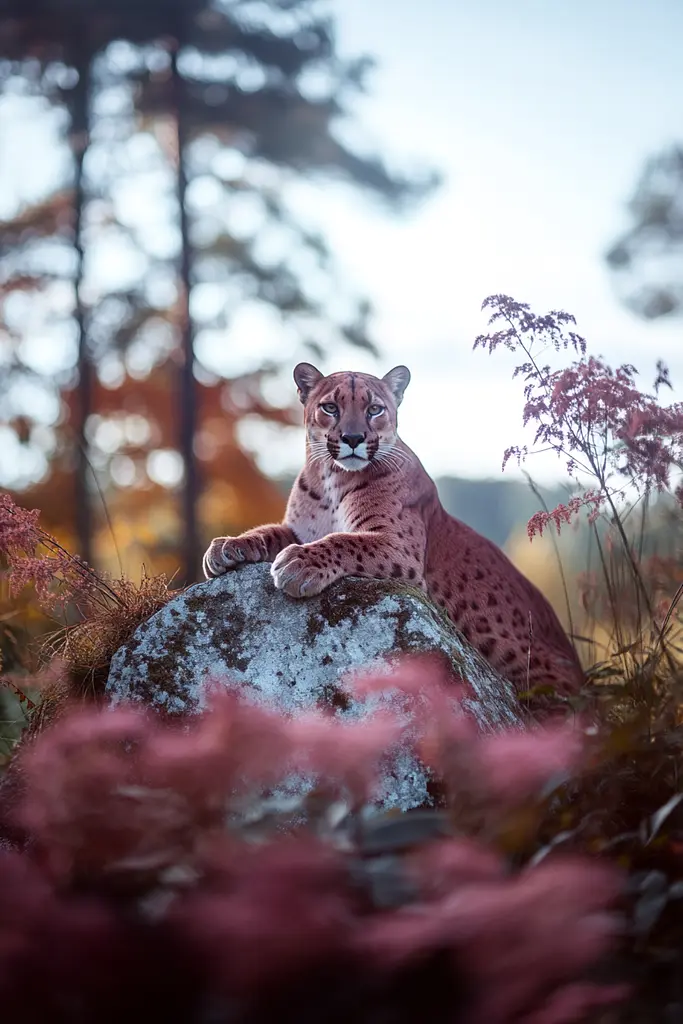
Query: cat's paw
[
  {"x": 224, "y": 553},
  {"x": 298, "y": 572}
]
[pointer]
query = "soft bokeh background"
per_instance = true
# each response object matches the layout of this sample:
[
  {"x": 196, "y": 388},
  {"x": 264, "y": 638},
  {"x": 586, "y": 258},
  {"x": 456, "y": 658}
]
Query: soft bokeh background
[{"x": 194, "y": 195}]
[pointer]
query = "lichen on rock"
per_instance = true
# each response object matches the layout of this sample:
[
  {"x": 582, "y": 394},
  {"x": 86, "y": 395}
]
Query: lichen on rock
[{"x": 294, "y": 654}]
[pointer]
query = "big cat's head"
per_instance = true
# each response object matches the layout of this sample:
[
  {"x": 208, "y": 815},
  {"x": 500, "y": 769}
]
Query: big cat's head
[{"x": 351, "y": 418}]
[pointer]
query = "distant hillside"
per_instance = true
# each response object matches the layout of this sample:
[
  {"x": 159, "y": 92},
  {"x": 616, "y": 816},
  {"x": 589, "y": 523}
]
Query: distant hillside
[{"x": 493, "y": 507}]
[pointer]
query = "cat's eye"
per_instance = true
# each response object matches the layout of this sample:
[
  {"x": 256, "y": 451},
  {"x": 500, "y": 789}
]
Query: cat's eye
[
  {"x": 330, "y": 408},
  {"x": 375, "y": 409}
]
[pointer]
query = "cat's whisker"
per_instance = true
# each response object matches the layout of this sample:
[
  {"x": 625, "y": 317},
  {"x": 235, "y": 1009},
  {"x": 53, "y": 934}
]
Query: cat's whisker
[
  {"x": 387, "y": 463},
  {"x": 320, "y": 457},
  {"x": 392, "y": 451},
  {"x": 388, "y": 458}
]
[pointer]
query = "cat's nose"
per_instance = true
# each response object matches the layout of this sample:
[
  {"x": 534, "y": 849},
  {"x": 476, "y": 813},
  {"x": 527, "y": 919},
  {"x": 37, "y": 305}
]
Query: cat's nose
[{"x": 353, "y": 440}]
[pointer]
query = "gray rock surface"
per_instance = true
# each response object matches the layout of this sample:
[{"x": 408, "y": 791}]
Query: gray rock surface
[{"x": 293, "y": 654}]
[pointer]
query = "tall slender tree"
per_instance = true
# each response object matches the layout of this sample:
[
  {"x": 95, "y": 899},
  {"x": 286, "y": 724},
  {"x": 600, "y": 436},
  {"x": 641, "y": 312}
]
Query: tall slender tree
[
  {"x": 79, "y": 108},
  {"x": 45, "y": 32},
  {"x": 188, "y": 397}
]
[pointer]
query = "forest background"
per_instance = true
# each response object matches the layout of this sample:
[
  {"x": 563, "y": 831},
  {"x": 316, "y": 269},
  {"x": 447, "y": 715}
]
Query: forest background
[{"x": 195, "y": 196}]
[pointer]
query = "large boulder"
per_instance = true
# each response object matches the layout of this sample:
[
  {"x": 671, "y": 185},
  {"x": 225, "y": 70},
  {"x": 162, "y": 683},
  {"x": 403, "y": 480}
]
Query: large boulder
[{"x": 293, "y": 654}]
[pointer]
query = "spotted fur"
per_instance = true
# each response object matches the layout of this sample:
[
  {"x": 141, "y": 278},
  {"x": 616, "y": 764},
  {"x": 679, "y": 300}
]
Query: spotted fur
[{"x": 363, "y": 505}]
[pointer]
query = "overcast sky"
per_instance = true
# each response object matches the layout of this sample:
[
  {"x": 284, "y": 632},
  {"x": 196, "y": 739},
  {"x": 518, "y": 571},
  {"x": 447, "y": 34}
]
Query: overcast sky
[{"x": 540, "y": 115}]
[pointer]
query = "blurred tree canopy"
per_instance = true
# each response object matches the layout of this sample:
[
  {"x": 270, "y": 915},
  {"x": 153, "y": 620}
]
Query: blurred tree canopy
[
  {"x": 648, "y": 259},
  {"x": 182, "y": 130}
]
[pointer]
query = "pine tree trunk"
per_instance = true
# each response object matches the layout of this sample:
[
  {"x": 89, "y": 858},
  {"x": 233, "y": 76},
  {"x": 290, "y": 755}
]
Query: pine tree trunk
[
  {"x": 187, "y": 386},
  {"x": 79, "y": 109}
]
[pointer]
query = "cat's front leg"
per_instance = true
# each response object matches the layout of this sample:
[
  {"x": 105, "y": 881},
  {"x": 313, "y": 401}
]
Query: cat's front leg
[
  {"x": 259, "y": 545},
  {"x": 304, "y": 570}
]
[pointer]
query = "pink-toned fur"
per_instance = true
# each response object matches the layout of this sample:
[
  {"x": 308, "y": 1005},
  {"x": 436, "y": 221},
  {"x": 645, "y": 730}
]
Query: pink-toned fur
[{"x": 363, "y": 505}]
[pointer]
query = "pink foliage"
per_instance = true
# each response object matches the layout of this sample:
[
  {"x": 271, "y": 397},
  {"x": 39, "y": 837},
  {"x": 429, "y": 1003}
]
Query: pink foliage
[
  {"x": 518, "y": 765},
  {"x": 564, "y": 513},
  {"x": 503, "y": 768},
  {"x": 19, "y": 530},
  {"x": 521, "y": 940},
  {"x": 40, "y": 572},
  {"x": 594, "y": 417},
  {"x": 35, "y": 558},
  {"x": 127, "y": 790},
  {"x": 141, "y": 893}
]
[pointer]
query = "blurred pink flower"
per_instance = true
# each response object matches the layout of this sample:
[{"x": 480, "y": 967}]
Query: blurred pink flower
[
  {"x": 517, "y": 765},
  {"x": 137, "y": 881}
]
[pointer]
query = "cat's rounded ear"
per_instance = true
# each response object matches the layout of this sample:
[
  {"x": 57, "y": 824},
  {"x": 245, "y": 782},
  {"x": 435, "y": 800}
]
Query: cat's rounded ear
[
  {"x": 306, "y": 377},
  {"x": 397, "y": 380}
]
